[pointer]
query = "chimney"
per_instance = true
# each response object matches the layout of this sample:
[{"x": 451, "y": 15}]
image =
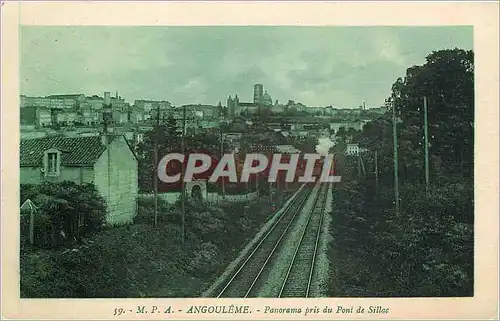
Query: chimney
[{"x": 104, "y": 138}]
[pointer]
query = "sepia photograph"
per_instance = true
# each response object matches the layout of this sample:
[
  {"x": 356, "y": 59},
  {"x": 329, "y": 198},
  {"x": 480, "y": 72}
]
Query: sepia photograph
[
  {"x": 185, "y": 163},
  {"x": 394, "y": 106}
]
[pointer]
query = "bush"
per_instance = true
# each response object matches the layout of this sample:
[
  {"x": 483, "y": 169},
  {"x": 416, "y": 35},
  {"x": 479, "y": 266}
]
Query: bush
[
  {"x": 62, "y": 207},
  {"x": 142, "y": 261},
  {"x": 142, "y": 258},
  {"x": 205, "y": 260},
  {"x": 426, "y": 250},
  {"x": 146, "y": 214}
]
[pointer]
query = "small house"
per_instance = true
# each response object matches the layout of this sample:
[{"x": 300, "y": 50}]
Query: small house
[{"x": 106, "y": 160}]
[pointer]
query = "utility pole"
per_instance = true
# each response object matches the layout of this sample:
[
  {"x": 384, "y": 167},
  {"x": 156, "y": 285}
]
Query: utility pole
[
  {"x": 222, "y": 155},
  {"x": 32, "y": 226},
  {"x": 426, "y": 135},
  {"x": 246, "y": 182},
  {"x": 363, "y": 172},
  {"x": 358, "y": 166},
  {"x": 376, "y": 171},
  {"x": 155, "y": 180},
  {"x": 183, "y": 196},
  {"x": 270, "y": 196},
  {"x": 396, "y": 178}
]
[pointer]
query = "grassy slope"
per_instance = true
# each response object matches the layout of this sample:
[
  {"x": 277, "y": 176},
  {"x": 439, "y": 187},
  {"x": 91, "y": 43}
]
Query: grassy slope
[{"x": 141, "y": 261}]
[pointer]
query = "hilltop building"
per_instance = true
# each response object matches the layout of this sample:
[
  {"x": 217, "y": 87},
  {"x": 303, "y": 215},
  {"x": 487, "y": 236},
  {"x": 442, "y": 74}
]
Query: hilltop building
[
  {"x": 106, "y": 160},
  {"x": 261, "y": 100},
  {"x": 258, "y": 91}
]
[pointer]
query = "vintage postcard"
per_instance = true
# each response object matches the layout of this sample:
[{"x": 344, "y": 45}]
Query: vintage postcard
[{"x": 248, "y": 160}]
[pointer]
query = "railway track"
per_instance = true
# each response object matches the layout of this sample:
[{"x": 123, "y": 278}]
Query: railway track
[
  {"x": 298, "y": 279},
  {"x": 245, "y": 281}
]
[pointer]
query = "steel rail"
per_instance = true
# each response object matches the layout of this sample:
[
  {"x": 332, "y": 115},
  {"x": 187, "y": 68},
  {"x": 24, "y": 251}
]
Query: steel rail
[
  {"x": 300, "y": 245},
  {"x": 300, "y": 198}
]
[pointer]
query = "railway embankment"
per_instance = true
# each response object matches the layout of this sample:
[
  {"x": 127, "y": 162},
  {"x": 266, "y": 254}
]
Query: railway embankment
[
  {"x": 283, "y": 258},
  {"x": 214, "y": 289},
  {"x": 273, "y": 282}
]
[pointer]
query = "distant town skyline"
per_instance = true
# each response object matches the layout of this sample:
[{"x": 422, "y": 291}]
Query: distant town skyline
[{"x": 317, "y": 66}]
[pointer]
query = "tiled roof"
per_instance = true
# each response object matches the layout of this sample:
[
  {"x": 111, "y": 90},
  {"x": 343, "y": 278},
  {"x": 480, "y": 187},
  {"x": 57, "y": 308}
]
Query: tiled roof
[{"x": 75, "y": 150}]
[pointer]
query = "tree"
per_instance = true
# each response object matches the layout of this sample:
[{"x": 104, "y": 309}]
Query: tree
[
  {"x": 169, "y": 142},
  {"x": 353, "y": 134},
  {"x": 172, "y": 130},
  {"x": 77, "y": 210},
  {"x": 425, "y": 249},
  {"x": 447, "y": 80},
  {"x": 450, "y": 114},
  {"x": 308, "y": 145},
  {"x": 145, "y": 153},
  {"x": 342, "y": 134}
]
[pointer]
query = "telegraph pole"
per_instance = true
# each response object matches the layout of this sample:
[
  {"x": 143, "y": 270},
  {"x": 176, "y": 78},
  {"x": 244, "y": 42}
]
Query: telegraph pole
[
  {"x": 32, "y": 226},
  {"x": 155, "y": 180},
  {"x": 222, "y": 155},
  {"x": 376, "y": 171},
  {"x": 358, "y": 163},
  {"x": 270, "y": 196},
  {"x": 183, "y": 197},
  {"x": 426, "y": 135},
  {"x": 246, "y": 182},
  {"x": 396, "y": 178},
  {"x": 363, "y": 170}
]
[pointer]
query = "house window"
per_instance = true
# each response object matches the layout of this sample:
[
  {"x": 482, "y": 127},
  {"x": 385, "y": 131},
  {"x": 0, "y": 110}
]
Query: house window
[{"x": 52, "y": 168}]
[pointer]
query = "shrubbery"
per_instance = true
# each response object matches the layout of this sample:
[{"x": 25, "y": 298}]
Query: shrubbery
[
  {"x": 66, "y": 211},
  {"x": 120, "y": 262},
  {"x": 142, "y": 261},
  {"x": 426, "y": 250}
]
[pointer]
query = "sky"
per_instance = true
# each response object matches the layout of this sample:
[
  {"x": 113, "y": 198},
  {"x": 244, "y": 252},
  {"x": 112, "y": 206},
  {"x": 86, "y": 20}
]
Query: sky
[{"x": 317, "y": 66}]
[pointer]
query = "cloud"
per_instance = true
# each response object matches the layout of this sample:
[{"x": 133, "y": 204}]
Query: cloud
[{"x": 315, "y": 65}]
